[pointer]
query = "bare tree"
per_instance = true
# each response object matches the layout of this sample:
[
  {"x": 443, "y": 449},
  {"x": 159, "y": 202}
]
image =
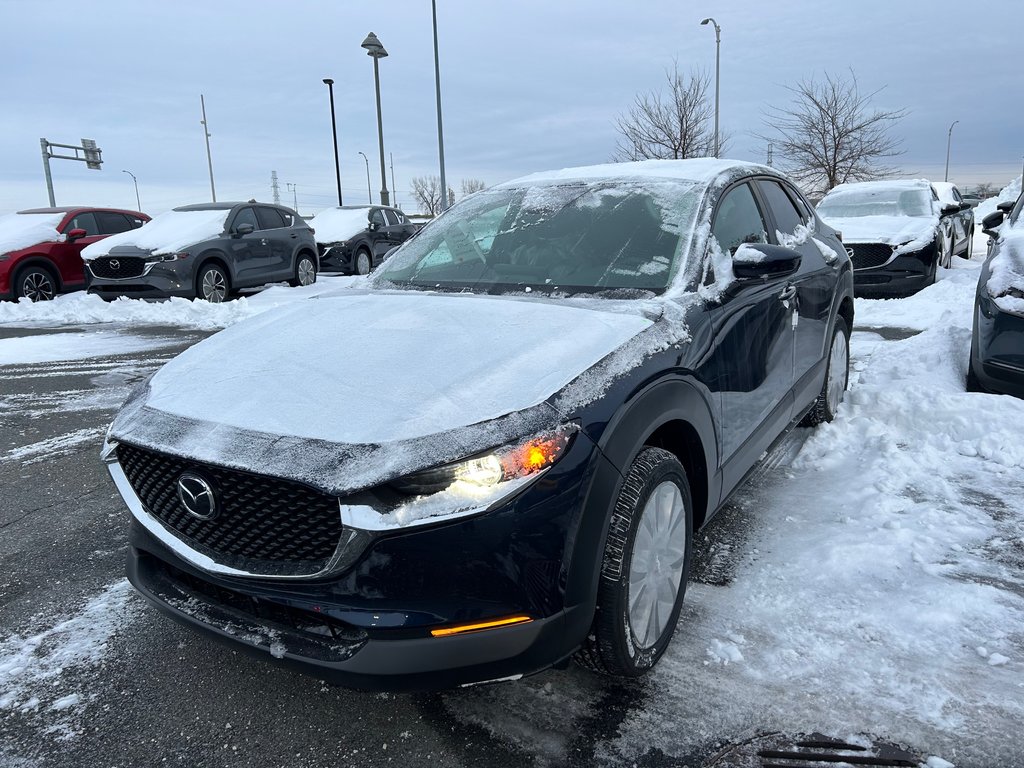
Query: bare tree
[
  {"x": 830, "y": 134},
  {"x": 427, "y": 192},
  {"x": 985, "y": 189},
  {"x": 674, "y": 124},
  {"x": 469, "y": 186}
]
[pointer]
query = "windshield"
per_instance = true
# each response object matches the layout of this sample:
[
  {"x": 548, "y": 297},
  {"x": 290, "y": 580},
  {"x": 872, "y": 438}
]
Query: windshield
[
  {"x": 571, "y": 237},
  {"x": 876, "y": 201}
]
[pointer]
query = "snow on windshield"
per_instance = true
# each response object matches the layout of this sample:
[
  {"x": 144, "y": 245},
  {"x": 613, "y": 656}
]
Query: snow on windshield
[
  {"x": 167, "y": 233},
  {"x": 878, "y": 198},
  {"x": 335, "y": 225},
  {"x": 605, "y": 235},
  {"x": 20, "y": 230}
]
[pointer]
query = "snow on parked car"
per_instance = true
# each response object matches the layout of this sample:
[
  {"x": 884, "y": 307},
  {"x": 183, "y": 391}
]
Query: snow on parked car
[
  {"x": 560, "y": 379},
  {"x": 357, "y": 238}
]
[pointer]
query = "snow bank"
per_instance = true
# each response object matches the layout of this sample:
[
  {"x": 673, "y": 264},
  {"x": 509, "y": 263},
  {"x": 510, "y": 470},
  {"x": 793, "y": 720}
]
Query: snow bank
[
  {"x": 169, "y": 232},
  {"x": 1007, "y": 194},
  {"x": 335, "y": 225},
  {"x": 20, "y": 230},
  {"x": 48, "y": 348},
  {"x": 950, "y": 301}
]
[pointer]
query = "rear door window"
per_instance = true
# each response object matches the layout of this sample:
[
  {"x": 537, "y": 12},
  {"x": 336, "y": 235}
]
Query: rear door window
[
  {"x": 392, "y": 218},
  {"x": 112, "y": 223},
  {"x": 270, "y": 218}
]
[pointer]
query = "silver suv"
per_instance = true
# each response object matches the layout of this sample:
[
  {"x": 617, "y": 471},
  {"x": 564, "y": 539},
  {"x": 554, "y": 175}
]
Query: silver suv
[{"x": 205, "y": 251}]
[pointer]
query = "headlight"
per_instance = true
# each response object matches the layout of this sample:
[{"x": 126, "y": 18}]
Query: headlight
[
  {"x": 4, "y": 256},
  {"x": 510, "y": 462},
  {"x": 169, "y": 256}
]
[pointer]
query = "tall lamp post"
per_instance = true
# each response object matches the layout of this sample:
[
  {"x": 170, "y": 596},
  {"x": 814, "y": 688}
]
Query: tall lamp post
[
  {"x": 718, "y": 58},
  {"x": 294, "y": 189},
  {"x": 440, "y": 130},
  {"x": 369, "y": 194},
  {"x": 949, "y": 141},
  {"x": 138, "y": 205},
  {"x": 376, "y": 51},
  {"x": 334, "y": 132},
  {"x": 209, "y": 157}
]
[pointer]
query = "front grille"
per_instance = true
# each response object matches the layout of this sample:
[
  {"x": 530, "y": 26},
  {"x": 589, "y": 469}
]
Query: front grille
[
  {"x": 263, "y": 524},
  {"x": 120, "y": 268},
  {"x": 869, "y": 255}
]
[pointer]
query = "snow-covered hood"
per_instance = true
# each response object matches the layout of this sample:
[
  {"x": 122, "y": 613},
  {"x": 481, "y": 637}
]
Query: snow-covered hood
[
  {"x": 21, "y": 230},
  {"x": 167, "y": 233},
  {"x": 382, "y": 367},
  {"x": 891, "y": 230}
]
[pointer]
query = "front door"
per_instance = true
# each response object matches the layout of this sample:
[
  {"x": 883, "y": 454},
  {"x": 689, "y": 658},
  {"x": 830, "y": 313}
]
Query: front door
[
  {"x": 250, "y": 253},
  {"x": 68, "y": 255}
]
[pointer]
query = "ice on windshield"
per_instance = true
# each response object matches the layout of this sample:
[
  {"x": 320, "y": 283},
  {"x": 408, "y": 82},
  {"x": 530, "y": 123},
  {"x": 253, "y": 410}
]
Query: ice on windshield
[
  {"x": 20, "y": 230},
  {"x": 598, "y": 235},
  {"x": 877, "y": 200}
]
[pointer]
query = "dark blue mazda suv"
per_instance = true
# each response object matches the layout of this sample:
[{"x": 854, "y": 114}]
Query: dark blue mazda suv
[{"x": 550, "y": 389}]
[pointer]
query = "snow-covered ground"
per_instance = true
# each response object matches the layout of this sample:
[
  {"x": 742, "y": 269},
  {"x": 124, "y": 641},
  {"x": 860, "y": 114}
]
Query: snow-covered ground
[{"x": 877, "y": 586}]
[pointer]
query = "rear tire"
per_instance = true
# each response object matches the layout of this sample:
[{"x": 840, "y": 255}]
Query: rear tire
[
  {"x": 212, "y": 284},
  {"x": 305, "y": 271},
  {"x": 645, "y": 567},
  {"x": 837, "y": 377},
  {"x": 34, "y": 282}
]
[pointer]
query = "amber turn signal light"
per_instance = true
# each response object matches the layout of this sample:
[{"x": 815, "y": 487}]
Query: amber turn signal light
[{"x": 477, "y": 626}]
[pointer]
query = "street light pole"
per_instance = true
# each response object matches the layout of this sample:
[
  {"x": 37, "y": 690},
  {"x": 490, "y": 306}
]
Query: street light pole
[
  {"x": 369, "y": 194},
  {"x": 138, "y": 204},
  {"x": 376, "y": 51},
  {"x": 949, "y": 140},
  {"x": 295, "y": 195},
  {"x": 718, "y": 59},
  {"x": 394, "y": 187},
  {"x": 334, "y": 131},
  {"x": 440, "y": 129},
  {"x": 209, "y": 157}
]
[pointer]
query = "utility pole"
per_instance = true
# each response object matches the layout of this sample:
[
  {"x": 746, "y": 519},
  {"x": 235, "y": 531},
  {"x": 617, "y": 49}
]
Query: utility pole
[
  {"x": 949, "y": 141},
  {"x": 209, "y": 157},
  {"x": 295, "y": 195},
  {"x": 394, "y": 189},
  {"x": 440, "y": 129},
  {"x": 275, "y": 188}
]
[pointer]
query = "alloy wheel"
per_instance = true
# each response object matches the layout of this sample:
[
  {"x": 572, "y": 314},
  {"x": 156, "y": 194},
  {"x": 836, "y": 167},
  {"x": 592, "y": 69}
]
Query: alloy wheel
[
  {"x": 215, "y": 286},
  {"x": 363, "y": 263},
  {"x": 307, "y": 272},
  {"x": 838, "y": 363},
  {"x": 37, "y": 286},
  {"x": 657, "y": 562}
]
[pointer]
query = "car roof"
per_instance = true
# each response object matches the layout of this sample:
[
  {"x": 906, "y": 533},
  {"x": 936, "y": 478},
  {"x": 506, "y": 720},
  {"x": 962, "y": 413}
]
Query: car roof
[
  {"x": 699, "y": 170},
  {"x": 69, "y": 208},
  {"x": 208, "y": 207}
]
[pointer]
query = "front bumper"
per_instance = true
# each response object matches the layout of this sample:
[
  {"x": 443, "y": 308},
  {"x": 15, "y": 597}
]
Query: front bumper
[
  {"x": 902, "y": 275},
  {"x": 383, "y": 602},
  {"x": 158, "y": 281},
  {"x": 997, "y": 347}
]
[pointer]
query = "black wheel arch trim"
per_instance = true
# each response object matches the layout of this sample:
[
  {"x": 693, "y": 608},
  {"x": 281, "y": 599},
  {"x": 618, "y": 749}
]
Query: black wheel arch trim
[
  {"x": 627, "y": 432},
  {"x": 37, "y": 260}
]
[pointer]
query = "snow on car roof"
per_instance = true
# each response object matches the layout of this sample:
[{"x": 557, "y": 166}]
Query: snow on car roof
[
  {"x": 944, "y": 189},
  {"x": 167, "y": 233},
  {"x": 896, "y": 185},
  {"x": 702, "y": 170},
  {"x": 333, "y": 225},
  {"x": 20, "y": 230}
]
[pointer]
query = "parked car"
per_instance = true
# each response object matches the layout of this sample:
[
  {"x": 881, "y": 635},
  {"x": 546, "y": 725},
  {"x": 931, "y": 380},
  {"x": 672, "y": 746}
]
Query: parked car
[
  {"x": 893, "y": 232},
  {"x": 553, "y": 386},
  {"x": 205, "y": 251},
  {"x": 972, "y": 199},
  {"x": 41, "y": 248},
  {"x": 957, "y": 225},
  {"x": 997, "y": 341},
  {"x": 356, "y": 238}
]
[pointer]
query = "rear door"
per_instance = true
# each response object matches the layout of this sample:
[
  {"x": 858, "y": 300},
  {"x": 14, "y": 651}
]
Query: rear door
[
  {"x": 281, "y": 240},
  {"x": 753, "y": 343},
  {"x": 814, "y": 284}
]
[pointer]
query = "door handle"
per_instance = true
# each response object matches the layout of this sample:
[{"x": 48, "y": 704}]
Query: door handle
[{"x": 788, "y": 293}]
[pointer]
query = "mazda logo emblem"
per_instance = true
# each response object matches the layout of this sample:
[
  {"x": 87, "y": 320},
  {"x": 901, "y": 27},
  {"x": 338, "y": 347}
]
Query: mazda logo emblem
[
  {"x": 115, "y": 264},
  {"x": 196, "y": 496}
]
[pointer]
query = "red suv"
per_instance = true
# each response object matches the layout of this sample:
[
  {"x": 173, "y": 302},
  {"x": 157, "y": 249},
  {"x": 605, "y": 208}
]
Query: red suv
[{"x": 40, "y": 249}]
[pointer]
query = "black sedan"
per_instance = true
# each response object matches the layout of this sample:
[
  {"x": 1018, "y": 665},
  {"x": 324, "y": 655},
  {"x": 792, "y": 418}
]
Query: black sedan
[
  {"x": 356, "y": 238},
  {"x": 894, "y": 231},
  {"x": 997, "y": 342},
  {"x": 555, "y": 385}
]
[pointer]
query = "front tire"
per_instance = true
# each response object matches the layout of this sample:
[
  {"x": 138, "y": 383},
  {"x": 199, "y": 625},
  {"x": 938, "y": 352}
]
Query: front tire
[
  {"x": 35, "y": 282},
  {"x": 645, "y": 567},
  {"x": 305, "y": 271},
  {"x": 212, "y": 284},
  {"x": 362, "y": 263},
  {"x": 837, "y": 376}
]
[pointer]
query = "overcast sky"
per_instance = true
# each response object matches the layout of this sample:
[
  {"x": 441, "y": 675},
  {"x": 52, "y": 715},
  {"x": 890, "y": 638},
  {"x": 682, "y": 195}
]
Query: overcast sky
[{"x": 526, "y": 85}]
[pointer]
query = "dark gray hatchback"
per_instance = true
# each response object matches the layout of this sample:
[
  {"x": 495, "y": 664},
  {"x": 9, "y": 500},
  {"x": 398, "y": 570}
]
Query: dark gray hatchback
[{"x": 205, "y": 251}]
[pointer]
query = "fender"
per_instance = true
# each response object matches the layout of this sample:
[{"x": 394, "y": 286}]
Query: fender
[
  {"x": 628, "y": 430},
  {"x": 37, "y": 259},
  {"x": 214, "y": 255}
]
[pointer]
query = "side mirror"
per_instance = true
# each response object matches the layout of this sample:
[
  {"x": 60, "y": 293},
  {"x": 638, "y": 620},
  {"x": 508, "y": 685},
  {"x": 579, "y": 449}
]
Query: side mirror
[
  {"x": 1007, "y": 206},
  {"x": 244, "y": 229},
  {"x": 372, "y": 226},
  {"x": 950, "y": 208},
  {"x": 763, "y": 262},
  {"x": 965, "y": 206},
  {"x": 76, "y": 234},
  {"x": 990, "y": 222}
]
